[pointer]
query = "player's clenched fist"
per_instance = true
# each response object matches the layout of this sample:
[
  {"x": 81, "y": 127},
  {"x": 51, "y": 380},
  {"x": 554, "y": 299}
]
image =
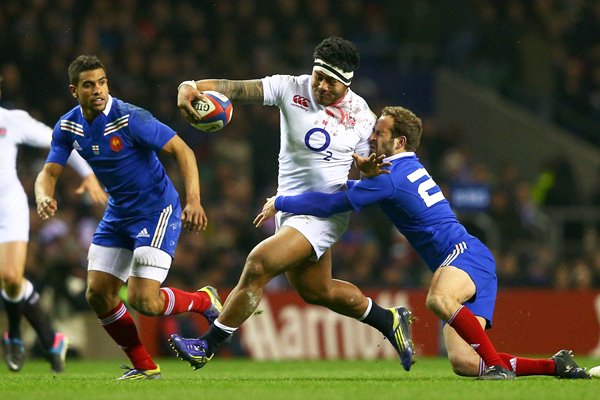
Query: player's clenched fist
[{"x": 46, "y": 207}]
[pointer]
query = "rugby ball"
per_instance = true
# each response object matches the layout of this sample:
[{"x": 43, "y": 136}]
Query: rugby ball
[{"x": 216, "y": 112}]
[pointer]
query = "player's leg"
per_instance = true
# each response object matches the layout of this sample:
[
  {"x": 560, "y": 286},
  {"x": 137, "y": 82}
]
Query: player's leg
[
  {"x": 463, "y": 358},
  {"x": 315, "y": 284},
  {"x": 271, "y": 257},
  {"x": 561, "y": 365},
  {"x": 108, "y": 270},
  {"x": 155, "y": 237},
  {"x": 466, "y": 362},
  {"x": 450, "y": 288},
  {"x": 54, "y": 343},
  {"x": 12, "y": 266}
]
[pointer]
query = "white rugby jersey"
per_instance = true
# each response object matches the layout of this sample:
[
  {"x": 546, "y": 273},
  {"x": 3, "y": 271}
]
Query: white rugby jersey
[
  {"x": 317, "y": 142},
  {"x": 18, "y": 127}
]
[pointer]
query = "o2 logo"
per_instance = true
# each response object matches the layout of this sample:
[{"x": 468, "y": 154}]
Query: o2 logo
[{"x": 319, "y": 135}]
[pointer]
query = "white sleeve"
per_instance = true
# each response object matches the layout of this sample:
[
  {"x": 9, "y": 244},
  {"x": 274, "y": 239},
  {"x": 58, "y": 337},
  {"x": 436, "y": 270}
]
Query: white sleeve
[
  {"x": 365, "y": 125},
  {"x": 37, "y": 134},
  {"x": 274, "y": 87},
  {"x": 31, "y": 131},
  {"x": 79, "y": 164}
]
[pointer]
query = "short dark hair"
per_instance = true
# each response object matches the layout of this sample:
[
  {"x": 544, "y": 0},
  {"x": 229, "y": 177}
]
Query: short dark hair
[
  {"x": 81, "y": 64},
  {"x": 338, "y": 52},
  {"x": 406, "y": 124}
]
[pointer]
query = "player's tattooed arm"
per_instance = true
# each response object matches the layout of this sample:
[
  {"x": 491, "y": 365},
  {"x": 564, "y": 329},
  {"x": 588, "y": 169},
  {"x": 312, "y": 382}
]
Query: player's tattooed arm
[
  {"x": 242, "y": 91},
  {"x": 247, "y": 91}
]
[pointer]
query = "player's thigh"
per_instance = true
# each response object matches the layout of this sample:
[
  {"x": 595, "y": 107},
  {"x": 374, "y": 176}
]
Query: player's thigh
[
  {"x": 14, "y": 215},
  {"x": 452, "y": 282},
  {"x": 279, "y": 253},
  {"x": 113, "y": 261},
  {"x": 12, "y": 261},
  {"x": 462, "y": 357},
  {"x": 312, "y": 278}
]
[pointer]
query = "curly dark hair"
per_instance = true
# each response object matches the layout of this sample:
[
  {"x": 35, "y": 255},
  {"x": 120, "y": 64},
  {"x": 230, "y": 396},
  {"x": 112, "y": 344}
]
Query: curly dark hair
[
  {"x": 338, "y": 52},
  {"x": 81, "y": 64},
  {"x": 406, "y": 123}
]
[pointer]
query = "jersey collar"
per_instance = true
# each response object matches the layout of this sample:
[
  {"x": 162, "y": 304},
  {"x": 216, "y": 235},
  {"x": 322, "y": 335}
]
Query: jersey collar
[
  {"x": 400, "y": 155},
  {"x": 106, "y": 109}
]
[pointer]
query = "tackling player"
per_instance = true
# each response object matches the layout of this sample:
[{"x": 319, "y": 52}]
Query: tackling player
[
  {"x": 136, "y": 238},
  {"x": 19, "y": 296},
  {"x": 463, "y": 286},
  {"x": 323, "y": 122}
]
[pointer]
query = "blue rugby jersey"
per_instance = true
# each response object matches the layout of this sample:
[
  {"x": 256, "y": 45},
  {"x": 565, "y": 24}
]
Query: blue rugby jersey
[
  {"x": 121, "y": 146},
  {"x": 408, "y": 196}
]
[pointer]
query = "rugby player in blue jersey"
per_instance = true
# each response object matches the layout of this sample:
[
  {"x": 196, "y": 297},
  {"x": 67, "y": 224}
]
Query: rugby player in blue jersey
[
  {"x": 136, "y": 238},
  {"x": 463, "y": 286}
]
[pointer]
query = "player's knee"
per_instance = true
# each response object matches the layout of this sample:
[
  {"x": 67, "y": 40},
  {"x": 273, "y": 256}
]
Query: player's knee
[
  {"x": 255, "y": 271},
  {"x": 314, "y": 297},
  {"x": 464, "y": 364},
  {"x": 439, "y": 304},
  {"x": 98, "y": 299},
  {"x": 12, "y": 281}
]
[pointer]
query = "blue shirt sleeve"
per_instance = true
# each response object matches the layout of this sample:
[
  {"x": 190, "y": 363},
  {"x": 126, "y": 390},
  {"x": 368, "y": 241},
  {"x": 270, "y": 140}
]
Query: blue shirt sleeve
[
  {"x": 149, "y": 131},
  {"x": 60, "y": 147},
  {"x": 370, "y": 191},
  {"x": 360, "y": 195}
]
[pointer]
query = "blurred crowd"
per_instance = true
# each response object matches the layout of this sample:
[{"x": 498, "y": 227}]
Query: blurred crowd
[{"x": 543, "y": 54}]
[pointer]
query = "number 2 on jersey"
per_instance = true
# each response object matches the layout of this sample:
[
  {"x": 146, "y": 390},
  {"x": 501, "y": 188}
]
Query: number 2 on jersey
[{"x": 429, "y": 199}]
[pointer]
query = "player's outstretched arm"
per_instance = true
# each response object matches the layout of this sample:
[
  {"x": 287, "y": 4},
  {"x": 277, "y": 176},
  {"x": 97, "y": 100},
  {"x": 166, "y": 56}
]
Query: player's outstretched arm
[
  {"x": 244, "y": 91},
  {"x": 193, "y": 216},
  {"x": 45, "y": 186}
]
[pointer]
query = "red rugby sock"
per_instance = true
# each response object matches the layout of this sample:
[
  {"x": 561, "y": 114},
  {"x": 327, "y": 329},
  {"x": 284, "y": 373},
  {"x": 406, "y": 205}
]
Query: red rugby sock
[
  {"x": 120, "y": 326},
  {"x": 179, "y": 301},
  {"x": 467, "y": 326},
  {"x": 529, "y": 366}
]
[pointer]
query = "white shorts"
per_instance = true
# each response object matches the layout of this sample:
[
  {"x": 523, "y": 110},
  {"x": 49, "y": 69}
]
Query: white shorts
[
  {"x": 322, "y": 233},
  {"x": 14, "y": 216},
  {"x": 144, "y": 262}
]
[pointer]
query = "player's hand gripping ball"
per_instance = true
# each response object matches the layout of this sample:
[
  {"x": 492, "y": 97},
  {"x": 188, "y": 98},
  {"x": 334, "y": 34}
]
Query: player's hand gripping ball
[{"x": 216, "y": 112}]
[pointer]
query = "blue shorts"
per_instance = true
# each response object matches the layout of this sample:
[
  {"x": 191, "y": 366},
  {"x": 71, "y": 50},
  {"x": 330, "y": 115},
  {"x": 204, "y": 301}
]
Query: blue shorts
[
  {"x": 478, "y": 261},
  {"x": 160, "y": 230}
]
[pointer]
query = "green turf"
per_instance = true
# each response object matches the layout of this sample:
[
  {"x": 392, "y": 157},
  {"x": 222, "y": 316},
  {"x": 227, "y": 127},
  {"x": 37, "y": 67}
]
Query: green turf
[{"x": 307, "y": 380}]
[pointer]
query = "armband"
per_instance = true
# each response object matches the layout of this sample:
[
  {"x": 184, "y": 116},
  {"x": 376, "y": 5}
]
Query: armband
[{"x": 190, "y": 83}]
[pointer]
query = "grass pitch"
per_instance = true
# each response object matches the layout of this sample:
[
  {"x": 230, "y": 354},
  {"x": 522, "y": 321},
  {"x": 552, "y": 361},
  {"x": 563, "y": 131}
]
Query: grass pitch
[{"x": 430, "y": 378}]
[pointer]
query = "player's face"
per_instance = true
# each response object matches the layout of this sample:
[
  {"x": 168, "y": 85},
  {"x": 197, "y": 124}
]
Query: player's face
[
  {"x": 381, "y": 140},
  {"x": 326, "y": 89},
  {"x": 91, "y": 92}
]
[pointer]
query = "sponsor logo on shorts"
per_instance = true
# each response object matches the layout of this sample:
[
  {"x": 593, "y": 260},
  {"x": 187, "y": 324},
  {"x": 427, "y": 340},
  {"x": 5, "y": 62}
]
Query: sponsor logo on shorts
[{"x": 143, "y": 234}]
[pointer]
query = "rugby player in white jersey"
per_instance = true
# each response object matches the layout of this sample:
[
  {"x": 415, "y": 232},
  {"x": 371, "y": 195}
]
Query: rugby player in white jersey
[
  {"x": 323, "y": 122},
  {"x": 19, "y": 296}
]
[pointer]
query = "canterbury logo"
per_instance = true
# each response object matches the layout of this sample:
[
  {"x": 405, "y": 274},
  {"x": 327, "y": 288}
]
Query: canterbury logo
[{"x": 301, "y": 101}]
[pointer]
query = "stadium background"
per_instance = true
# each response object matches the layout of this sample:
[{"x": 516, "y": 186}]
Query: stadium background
[{"x": 509, "y": 92}]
